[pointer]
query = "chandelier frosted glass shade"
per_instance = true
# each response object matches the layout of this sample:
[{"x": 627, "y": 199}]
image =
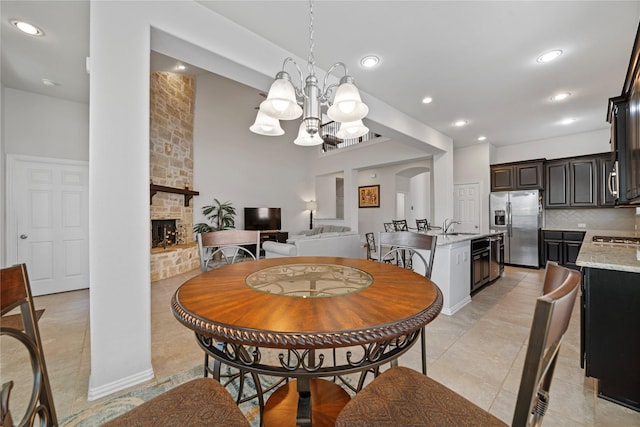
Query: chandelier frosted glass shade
[
  {"x": 305, "y": 139},
  {"x": 281, "y": 101},
  {"x": 286, "y": 101},
  {"x": 266, "y": 125},
  {"x": 354, "y": 129},
  {"x": 347, "y": 105}
]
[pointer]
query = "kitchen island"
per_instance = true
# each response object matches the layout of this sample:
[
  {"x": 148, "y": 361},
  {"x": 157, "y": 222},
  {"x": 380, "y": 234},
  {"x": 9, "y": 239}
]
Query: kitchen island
[
  {"x": 452, "y": 268},
  {"x": 610, "y": 315}
]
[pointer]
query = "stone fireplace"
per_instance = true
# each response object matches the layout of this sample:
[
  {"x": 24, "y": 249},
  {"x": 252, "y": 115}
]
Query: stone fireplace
[
  {"x": 173, "y": 250},
  {"x": 164, "y": 232}
]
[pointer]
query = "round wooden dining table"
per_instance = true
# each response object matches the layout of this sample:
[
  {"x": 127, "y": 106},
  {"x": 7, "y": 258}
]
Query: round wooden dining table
[{"x": 302, "y": 306}]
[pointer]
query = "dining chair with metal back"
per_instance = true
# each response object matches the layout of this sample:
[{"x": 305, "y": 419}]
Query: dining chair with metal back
[
  {"x": 372, "y": 249},
  {"x": 22, "y": 329},
  {"x": 217, "y": 249},
  {"x": 402, "y": 396},
  {"x": 400, "y": 225},
  {"x": 422, "y": 224},
  {"x": 389, "y": 227},
  {"x": 407, "y": 248},
  {"x": 228, "y": 245}
]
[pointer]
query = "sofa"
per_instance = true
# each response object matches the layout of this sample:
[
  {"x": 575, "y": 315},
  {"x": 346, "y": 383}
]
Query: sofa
[{"x": 318, "y": 243}]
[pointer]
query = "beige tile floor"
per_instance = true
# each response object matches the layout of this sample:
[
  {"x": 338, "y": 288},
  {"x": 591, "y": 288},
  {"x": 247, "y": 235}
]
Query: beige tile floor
[{"x": 477, "y": 352}]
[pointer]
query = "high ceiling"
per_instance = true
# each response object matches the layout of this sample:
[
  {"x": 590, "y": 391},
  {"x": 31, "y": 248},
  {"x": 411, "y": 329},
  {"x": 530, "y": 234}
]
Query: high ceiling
[{"x": 476, "y": 59}]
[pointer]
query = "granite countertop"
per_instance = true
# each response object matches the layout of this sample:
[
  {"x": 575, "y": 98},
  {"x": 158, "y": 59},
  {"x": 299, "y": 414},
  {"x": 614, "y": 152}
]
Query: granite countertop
[
  {"x": 449, "y": 239},
  {"x": 610, "y": 256}
]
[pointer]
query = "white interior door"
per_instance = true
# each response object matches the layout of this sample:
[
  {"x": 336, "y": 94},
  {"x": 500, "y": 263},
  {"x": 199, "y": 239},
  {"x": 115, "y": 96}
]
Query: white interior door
[
  {"x": 48, "y": 222},
  {"x": 467, "y": 207}
]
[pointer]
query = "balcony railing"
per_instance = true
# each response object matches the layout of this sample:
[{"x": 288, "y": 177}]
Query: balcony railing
[{"x": 332, "y": 142}]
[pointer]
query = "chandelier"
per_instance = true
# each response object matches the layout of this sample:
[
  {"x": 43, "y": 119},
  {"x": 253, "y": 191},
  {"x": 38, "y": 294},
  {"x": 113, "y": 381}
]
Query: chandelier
[{"x": 288, "y": 102}]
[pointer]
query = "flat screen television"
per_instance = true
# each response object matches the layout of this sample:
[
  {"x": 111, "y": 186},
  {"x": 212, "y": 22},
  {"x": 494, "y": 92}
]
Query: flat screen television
[{"x": 262, "y": 219}]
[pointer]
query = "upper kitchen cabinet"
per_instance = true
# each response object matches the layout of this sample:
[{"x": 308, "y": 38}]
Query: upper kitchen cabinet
[
  {"x": 578, "y": 182},
  {"x": 605, "y": 169},
  {"x": 528, "y": 175},
  {"x": 624, "y": 116}
]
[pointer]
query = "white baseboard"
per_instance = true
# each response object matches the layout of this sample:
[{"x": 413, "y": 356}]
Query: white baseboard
[
  {"x": 107, "y": 389},
  {"x": 450, "y": 311}
]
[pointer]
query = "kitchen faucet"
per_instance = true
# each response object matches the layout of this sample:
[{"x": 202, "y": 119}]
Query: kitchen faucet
[{"x": 448, "y": 223}]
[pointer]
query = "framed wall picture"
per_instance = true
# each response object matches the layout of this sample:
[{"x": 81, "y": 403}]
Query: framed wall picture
[{"x": 369, "y": 196}]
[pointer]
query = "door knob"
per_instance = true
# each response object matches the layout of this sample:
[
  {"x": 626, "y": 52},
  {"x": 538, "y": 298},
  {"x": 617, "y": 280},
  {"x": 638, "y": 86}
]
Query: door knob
[{"x": 23, "y": 236}]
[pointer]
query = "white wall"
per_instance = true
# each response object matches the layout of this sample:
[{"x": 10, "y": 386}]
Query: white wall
[
  {"x": 43, "y": 126},
  {"x": 359, "y": 162},
  {"x": 420, "y": 198},
  {"x": 3, "y": 168},
  {"x": 234, "y": 164},
  {"x": 326, "y": 196},
  {"x": 373, "y": 219},
  {"x": 471, "y": 165},
  {"x": 578, "y": 144}
]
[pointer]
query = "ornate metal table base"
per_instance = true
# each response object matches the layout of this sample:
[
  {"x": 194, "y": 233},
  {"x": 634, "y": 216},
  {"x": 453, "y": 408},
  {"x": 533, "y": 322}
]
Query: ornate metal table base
[{"x": 305, "y": 365}]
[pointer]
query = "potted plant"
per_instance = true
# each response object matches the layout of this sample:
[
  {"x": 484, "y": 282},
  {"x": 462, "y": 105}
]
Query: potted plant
[{"x": 220, "y": 215}]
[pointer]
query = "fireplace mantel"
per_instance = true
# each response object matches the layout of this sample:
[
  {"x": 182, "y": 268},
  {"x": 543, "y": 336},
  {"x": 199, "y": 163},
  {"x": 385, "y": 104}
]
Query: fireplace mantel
[{"x": 188, "y": 194}]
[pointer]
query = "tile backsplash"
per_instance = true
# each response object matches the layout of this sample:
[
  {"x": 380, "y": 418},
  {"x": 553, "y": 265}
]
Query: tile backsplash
[{"x": 593, "y": 219}]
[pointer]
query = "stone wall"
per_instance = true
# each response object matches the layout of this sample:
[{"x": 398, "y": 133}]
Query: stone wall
[{"x": 172, "y": 101}]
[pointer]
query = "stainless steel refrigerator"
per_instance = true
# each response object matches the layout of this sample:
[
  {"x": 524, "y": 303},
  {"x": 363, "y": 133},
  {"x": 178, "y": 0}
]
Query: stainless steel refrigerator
[{"x": 519, "y": 214}]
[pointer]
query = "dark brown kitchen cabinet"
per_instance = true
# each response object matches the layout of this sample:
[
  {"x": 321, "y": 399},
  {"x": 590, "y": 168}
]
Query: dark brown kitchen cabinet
[
  {"x": 578, "y": 182},
  {"x": 582, "y": 178},
  {"x": 525, "y": 175},
  {"x": 624, "y": 116},
  {"x": 562, "y": 246},
  {"x": 605, "y": 167},
  {"x": 557, "y": 184},
  {"x": 610, "y": 321}
]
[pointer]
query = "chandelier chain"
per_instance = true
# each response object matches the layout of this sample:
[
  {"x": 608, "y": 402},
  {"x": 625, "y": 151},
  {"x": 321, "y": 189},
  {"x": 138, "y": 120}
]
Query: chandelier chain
[{"x": 311, "y": 59}]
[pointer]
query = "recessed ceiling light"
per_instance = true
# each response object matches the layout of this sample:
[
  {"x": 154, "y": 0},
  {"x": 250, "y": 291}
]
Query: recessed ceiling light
[
  {"x": 560, "y": 96},
  {"x": 482, "y": 138},
  {"x": 427, "y": 100},
  {"x": 181, "y": 67},
  {"x": 48, "y": 82},
  {"x": 567, "y": 121},
  {"x": 25, "y": 27},
  {"x": 370, "y": 61},
  {"x": 460, "y": 123},
  {"x": 549, "y": 56}
]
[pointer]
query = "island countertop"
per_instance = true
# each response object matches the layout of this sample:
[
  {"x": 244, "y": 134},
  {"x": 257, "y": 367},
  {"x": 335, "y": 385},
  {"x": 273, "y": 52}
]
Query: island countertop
[
  {"x": 451, "y": 238},
  {"x": 610, "y": 256}
]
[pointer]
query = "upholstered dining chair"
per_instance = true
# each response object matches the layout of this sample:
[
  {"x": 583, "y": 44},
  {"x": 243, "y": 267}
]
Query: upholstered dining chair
[
  {"x": 198, "y": 402},
  {"x": 406, "y": 248},
  {"x": 402, "y": 396},
  {"x": 231, "y": 245},
  {"x": 554, "y": 276},
  {"x": 22, "y": 328}
]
